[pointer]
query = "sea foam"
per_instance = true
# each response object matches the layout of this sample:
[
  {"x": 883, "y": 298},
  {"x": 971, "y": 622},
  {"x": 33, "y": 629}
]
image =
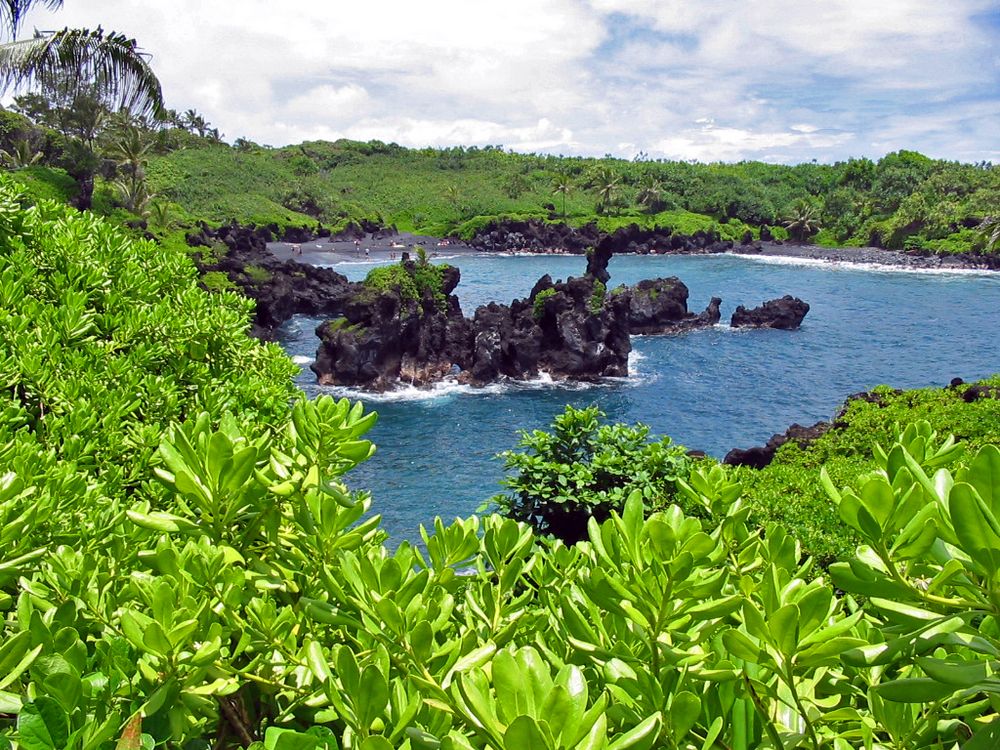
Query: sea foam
[{"x": 848, "y": 265}]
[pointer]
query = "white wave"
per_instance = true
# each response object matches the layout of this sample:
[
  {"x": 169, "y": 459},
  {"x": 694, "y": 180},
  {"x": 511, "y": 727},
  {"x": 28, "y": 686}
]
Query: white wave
[
  {"x": 451, "y": 387},
  {"x": 848, "y": 265},
  {"x": 301, "y": 359}
]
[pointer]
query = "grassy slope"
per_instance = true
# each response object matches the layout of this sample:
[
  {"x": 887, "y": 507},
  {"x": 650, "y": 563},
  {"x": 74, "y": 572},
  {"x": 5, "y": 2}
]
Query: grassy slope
[
  {"x": 905, "y": 199},
  {"x": 788, "y": 491}
]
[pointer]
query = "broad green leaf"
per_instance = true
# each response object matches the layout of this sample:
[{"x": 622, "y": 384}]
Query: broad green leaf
[
  {"x": 684, "y": 711},
  {"x": 524, "y": 733},
  {"x": 277, "y": 738},
  {"x": 42, "y": 725},
  {"x": 960, "y": 674},
  {"x": 372, "y": 695},
  {"x": 375, "y": 742},
  {"x": 640, "y": 737},
  {"x": 913, "y": 690}
]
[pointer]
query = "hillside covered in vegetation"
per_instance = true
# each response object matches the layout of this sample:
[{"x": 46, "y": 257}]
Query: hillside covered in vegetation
[{"x": 177, "y": 171}]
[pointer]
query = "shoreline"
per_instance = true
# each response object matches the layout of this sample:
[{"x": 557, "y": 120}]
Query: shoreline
[
  {"x": 873, "y": 256},
  {"x": 324, "y": 252}
]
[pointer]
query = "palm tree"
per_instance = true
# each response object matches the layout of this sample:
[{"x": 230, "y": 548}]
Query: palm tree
[
  {"x": 131, "y": 150},
  {"x": 109, "y": 65},
  {"x": 562, "y": 184},
  {"x": 650, "y": 193},
  {"x": 161, "y": 215},
  {"x": 82, "y": 57},
  {"x": 990, "y": 229},
  {"x": 134, "y": 194},
  {"x": 20, "y": 156},
  {"x": 12, "y": 12},
  {"x": 607, "y": 188},
  {"x": 803, "y": 220}
]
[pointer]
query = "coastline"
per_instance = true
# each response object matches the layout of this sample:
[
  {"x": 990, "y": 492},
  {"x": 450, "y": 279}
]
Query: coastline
[
  {"x": 869, "y": 256},
  {"x": 382, "y": 249}
]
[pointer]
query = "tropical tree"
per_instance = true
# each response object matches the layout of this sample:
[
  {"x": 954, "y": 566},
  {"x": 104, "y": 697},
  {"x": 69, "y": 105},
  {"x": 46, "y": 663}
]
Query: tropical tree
[
  {"x": 131, "y": 150},
  {"x": 21, "y": 155},
  {"x": 990, "y": 229},
  {"x": 802, "y": 220},
  {"x": 608, "y": 184},
  {"x": 88, "y": 69},
  {"x": 650, "y": 195},
  {"x": 564, "y": 185}
]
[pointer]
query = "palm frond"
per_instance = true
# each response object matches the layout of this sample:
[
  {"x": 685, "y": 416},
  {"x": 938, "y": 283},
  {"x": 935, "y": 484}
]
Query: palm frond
[
  {"x": 111, "y": 61},
  {"x": 12, "y": 12}
]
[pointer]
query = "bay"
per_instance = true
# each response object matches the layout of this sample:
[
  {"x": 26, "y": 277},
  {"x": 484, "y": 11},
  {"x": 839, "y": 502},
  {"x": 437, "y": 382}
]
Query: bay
[{"x": 711, "y": 390}]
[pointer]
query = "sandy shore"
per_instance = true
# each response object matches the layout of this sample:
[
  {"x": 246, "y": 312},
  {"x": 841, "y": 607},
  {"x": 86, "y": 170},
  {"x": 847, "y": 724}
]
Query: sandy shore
[
  {"x": 323, "y": 252},
  {"x": 864, "y": 255}
]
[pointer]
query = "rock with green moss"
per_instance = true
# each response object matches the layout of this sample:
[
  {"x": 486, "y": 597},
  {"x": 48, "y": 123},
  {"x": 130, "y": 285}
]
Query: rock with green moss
[{"x": 660, "y": 306}]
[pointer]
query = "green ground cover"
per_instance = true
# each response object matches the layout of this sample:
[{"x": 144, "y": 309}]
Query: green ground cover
[
  {"x": 182, "y": 565},
  {"x": 903, "y": 200}
]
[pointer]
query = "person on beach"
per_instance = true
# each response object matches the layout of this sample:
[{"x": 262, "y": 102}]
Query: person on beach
[
  {"x": 366, "y": 253},
  {"x": 296, "y": 250}
]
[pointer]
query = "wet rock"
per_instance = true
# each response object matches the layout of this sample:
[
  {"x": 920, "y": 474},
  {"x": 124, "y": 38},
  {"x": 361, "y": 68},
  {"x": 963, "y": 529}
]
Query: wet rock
[
  {"x": 786, "y": 313},
  {"x": 760, "y": 456},
  {"x": 280, "y": 288}
]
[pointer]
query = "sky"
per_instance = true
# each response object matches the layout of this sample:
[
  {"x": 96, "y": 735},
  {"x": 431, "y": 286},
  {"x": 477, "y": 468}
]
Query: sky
[{"x": 783, "y": 81}]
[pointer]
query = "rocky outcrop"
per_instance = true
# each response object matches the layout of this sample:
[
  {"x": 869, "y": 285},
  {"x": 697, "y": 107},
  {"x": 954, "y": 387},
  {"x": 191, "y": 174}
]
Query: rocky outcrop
[
  {"x": 568, "y": 330},
  {"x": 280, "y": 289},
  {"x": 660, "y": 306},
  {"x": 760, "y": 456},
  {"x": 535, "y": 235},
  {"x": 382, "y": 339},
  {"x": 786, "y": 313}
]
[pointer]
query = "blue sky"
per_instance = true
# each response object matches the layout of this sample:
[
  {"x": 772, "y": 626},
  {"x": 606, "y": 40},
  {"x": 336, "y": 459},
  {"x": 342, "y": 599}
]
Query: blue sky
[{"x": 711, "y": 80}]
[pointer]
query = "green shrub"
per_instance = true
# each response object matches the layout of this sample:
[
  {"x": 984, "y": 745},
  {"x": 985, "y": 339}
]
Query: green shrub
[
  {"x": 538, "y": 306},
  {"x": 788, "y": 490},
  {"x": 597, "y": 297},
  {"x": 257, "y": 274},
  {"x": 217, "y": 281},
  {"x": 583, "y": 469},
  {"x": 411, "y": 285}
]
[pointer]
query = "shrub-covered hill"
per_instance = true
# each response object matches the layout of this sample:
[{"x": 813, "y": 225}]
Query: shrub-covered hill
[
  {"x": 181, "y": 565},
  {"x": 903, "y": 200}
]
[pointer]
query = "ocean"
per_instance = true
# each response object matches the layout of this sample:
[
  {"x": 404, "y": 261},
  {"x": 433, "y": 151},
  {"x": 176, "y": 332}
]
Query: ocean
[{"x": 710, "y": 390}]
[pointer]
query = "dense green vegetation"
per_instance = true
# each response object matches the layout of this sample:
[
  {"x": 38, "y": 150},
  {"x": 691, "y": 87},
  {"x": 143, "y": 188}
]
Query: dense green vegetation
[
  {"x": 182, "y": 566},
  {"x": 177, "y": 170},
  {"x": 411, "y": 281},
  {"x": 904, "y": 199},
  {"x": 583, "y": 470}
]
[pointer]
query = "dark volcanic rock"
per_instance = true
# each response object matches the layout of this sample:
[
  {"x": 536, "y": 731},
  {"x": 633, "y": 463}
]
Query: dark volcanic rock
[
  {"x": 383, "y": 339},
  {"x": 786, "y": 313},
  {"x": 761, "y": 456},
  {"x": 573, "y": 332},
  {"x": 534, "y": 235},
  {"x": 660, "y": 306},
  {"x": 281, "y": 288}
]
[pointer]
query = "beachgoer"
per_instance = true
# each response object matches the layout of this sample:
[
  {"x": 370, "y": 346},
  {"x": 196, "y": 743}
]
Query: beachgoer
[
  {"x": 366, "y": 252},
  {"x": 296, "y": 250}
]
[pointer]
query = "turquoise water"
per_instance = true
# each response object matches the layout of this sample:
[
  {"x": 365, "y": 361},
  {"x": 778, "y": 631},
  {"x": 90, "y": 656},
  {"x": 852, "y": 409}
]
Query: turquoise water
[{"x": 713, "y": 389}]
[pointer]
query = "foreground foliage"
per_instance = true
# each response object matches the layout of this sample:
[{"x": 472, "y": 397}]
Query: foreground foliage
[
  {"x": 182, "y": 566},
  {"x": 788, "y": 491},
  {"x": 583, "y": 470}
]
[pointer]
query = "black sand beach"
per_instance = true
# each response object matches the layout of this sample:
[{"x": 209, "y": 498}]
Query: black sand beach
[
  {"x": 371, "y": 248},
  {"x": 378, "y": 249},
  {"x": 869, "y": 256}
]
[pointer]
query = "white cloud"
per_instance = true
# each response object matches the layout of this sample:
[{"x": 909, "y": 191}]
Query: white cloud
[
  {"x": 710, "y": 143},
  {"x": 713, "y": 79}
]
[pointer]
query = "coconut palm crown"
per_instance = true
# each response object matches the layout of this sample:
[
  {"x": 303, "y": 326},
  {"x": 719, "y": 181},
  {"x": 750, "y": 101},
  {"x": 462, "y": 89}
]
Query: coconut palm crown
[
  {"x": 803, "y": 220},
  {"x": 111, "y": 61}
]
